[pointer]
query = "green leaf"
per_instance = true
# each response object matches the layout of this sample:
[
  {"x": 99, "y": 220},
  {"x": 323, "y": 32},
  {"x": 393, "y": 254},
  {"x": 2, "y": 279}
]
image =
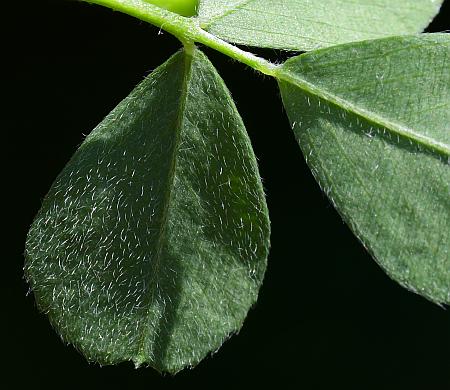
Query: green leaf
[
  {"x": 152, "y": 243},
  {"x": 306, "y": 25},
  {"x": 372, "y": 119}
]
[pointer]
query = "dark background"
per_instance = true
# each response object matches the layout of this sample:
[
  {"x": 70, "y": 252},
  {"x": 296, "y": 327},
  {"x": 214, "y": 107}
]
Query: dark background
[{"x": 327, "y": 315}]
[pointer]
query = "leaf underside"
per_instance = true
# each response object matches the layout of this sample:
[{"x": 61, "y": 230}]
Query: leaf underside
[
  {"x": 305, "y": 25},
  {"x": 152, "y": 243},
  {"x": 372, "y": 119}
]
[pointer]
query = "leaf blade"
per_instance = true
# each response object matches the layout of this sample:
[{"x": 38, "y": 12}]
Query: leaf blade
[
  {"x": 305, "y": 25},
  {"x": 159, "y": 216},
  {"x": 390, "y": 187}
]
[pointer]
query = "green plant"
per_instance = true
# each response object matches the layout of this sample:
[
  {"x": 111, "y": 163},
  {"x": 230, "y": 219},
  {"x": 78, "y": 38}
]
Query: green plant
[{"x": 152, "y": 243}]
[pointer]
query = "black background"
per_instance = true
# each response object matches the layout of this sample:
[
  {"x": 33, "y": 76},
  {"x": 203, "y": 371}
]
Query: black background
[{"x": 327, "y": 315}]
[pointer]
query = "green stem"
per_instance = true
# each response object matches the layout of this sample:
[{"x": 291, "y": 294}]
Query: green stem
[
  {"x": 258, "y": 63},
  {"x": 187, "y": 30}
]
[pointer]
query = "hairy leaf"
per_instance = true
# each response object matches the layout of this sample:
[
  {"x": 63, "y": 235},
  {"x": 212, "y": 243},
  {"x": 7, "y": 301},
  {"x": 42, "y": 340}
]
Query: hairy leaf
[
  {"x": 306, "y": 25},
  {"x": 152, "y": 243},
  {"x": 372, "y": 119}
]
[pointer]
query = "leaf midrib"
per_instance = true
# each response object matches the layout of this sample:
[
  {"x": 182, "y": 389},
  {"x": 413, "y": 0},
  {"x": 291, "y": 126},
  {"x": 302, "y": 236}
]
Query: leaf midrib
[
  {"x": 394, "y": 128},
  {"x": 152, "y": 286}
]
